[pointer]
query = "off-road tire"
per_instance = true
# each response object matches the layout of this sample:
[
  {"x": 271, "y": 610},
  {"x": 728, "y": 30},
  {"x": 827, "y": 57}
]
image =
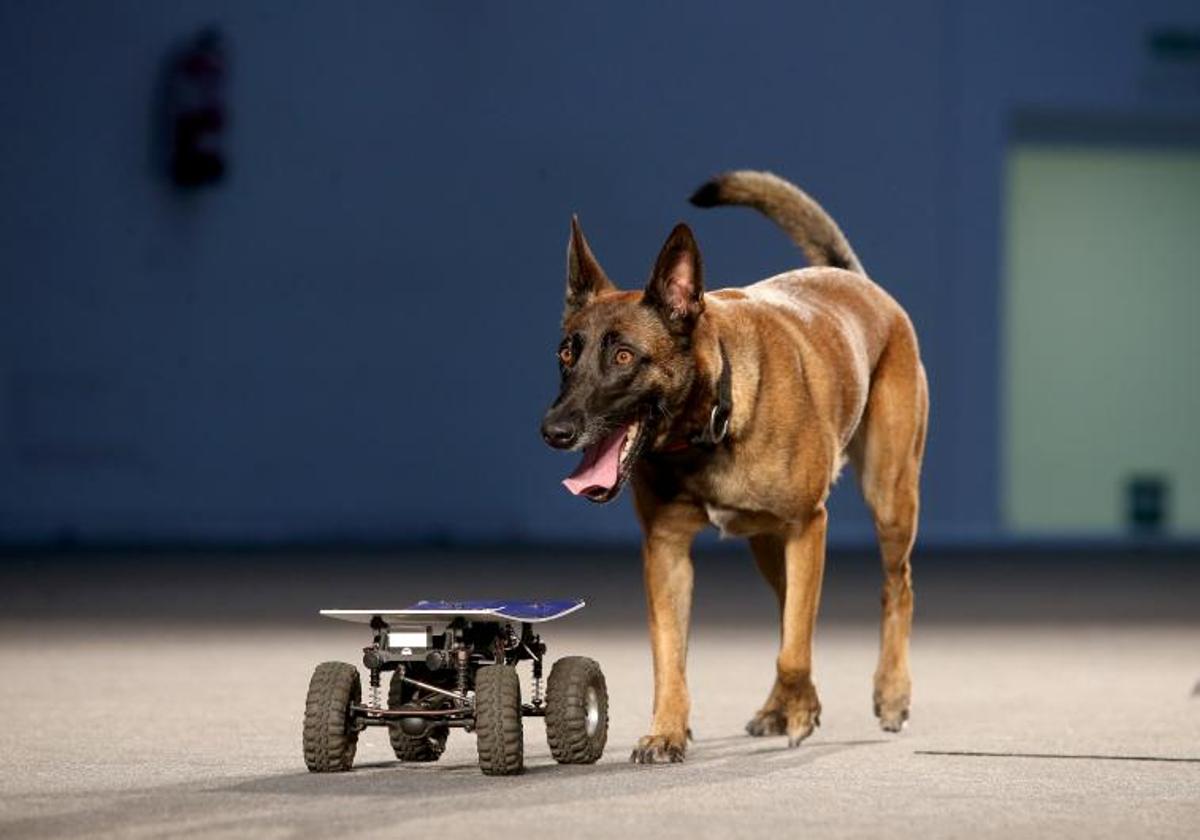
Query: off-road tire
[
  {"x": 576, "y": 685},
  {"x": 427, "y": 747},
  {"x": 499, "y": 735},
  {"x": 330, "y": 738}
]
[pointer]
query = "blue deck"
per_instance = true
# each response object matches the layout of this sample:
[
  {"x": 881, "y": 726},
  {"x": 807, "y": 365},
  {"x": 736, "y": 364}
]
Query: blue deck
[
  {"x": 443, "y": 611},
  {"x": 516, "y": 610}
]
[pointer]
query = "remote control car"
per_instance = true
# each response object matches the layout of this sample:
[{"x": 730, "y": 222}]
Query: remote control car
[{"x": 453, "y": 665}]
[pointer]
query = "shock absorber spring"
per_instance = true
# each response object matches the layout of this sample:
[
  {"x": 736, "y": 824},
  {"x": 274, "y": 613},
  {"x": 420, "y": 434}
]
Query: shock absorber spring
[
  {"x": 537, "y": 681},
  {"x": 461, "y": 658},
  {"x": 374, "y": 700}
]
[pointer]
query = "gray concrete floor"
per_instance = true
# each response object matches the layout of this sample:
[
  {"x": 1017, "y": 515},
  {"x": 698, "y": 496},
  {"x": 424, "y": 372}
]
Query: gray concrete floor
[{"x": 178, "y": 712}]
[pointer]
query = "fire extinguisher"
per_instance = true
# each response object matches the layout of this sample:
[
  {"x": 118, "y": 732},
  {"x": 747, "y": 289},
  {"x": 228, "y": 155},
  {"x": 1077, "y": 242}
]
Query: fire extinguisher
[{"x": 197, "y": 115}]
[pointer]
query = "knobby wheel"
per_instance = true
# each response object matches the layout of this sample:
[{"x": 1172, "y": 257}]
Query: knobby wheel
[
  {"x": 499, "y": 735},
  {"x": 330, "y": 737},
  {"x": 576, "y": 710}
]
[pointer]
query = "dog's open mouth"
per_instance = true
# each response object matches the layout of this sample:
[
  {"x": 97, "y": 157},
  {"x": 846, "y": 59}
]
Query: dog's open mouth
[{"x": 607, "y": 464}]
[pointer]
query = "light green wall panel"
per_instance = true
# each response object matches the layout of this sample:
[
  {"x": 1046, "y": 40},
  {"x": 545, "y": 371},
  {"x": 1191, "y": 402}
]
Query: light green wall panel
[{"x": 1102, "y": 336}]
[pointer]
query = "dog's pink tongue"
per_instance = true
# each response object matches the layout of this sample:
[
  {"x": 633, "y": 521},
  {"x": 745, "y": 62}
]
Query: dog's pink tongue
[{"x": 600, "y": 465}]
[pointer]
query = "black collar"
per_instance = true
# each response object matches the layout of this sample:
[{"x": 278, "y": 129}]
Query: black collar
[
  {"x": 717, "y": 428},
  {"x": 722, "y": 410}
]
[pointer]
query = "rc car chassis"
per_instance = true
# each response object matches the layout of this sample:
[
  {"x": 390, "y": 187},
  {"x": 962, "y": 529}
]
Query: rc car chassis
[{"x": 453, "y": 665}]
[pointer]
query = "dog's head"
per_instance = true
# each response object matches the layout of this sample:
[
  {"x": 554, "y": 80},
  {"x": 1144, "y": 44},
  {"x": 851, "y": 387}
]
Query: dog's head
[{"x": 625, "y": 361}]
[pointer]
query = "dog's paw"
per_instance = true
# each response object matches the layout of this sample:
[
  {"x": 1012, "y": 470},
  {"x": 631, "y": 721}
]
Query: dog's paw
[
  {"x": 892, "y": 711},
  {"x": 767, "y": 722},
  {"x": 793, "y": 712},
  {"x": 892, "y": 718},
  {"x": 797, "y": 723},
  {"x": 659, "y": 749},
  {"x": 801, "y": 721}
]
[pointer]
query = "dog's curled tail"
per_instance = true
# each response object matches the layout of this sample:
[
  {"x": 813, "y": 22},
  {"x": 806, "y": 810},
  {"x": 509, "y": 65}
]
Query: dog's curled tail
[{"x": 805, "y": 221}]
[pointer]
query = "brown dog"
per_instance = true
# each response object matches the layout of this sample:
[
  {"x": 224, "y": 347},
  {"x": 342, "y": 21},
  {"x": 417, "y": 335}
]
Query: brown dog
[{"x": 738, "y": 408}]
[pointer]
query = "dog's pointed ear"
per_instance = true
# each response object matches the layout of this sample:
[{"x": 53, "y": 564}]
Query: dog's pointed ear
[
  {"x": 676, "y": 287},
  {"x": 585, "y": 277}
]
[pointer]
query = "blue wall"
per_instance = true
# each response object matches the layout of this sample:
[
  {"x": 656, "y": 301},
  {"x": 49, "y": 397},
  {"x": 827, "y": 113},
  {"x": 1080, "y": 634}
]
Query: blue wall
[{"x": 353, "y": 337}]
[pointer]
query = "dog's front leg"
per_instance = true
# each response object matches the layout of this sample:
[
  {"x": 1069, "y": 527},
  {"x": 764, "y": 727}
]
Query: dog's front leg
[
  {"x": 793, "y": 564},
  {"x": 668, "y": 572}
]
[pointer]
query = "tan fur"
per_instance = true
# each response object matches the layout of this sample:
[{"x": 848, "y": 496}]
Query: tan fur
[{"x": 825, "y": 369}]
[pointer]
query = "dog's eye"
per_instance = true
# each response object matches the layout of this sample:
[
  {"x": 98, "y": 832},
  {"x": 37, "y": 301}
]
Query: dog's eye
[
  {"x": 623, "y": 357},
  {"x": 565, "y": 355}
]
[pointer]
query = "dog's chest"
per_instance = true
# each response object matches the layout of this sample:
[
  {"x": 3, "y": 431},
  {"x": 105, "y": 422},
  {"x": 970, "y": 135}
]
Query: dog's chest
[
  {"x": 723, "y": 518},
  {"x": 736, "y": 500},
  {"x": 738, "y": 522}
]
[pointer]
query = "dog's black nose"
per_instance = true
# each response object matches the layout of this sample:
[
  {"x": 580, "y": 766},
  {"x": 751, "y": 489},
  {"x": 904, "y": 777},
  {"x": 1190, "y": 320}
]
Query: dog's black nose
[{"x": 561, "y": 434}]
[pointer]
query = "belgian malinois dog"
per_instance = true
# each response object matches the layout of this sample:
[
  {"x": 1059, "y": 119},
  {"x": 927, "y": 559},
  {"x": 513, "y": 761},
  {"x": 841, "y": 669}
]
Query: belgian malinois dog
[{"x": 738, "y": 408}]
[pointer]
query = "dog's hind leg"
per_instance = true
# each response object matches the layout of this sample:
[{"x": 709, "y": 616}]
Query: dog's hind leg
[{"x": 887, "y": 456}]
